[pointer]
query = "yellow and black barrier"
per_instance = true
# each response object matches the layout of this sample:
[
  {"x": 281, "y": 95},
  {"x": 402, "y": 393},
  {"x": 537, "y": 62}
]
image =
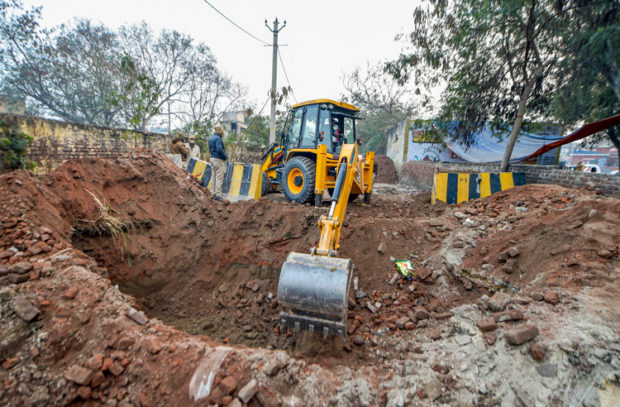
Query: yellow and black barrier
[
  {"x": 241, "y": 181},
  {"x": 462, "y": 187}
]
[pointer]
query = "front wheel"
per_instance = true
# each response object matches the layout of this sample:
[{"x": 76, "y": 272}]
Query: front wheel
[{"x": 298, "y": 178}]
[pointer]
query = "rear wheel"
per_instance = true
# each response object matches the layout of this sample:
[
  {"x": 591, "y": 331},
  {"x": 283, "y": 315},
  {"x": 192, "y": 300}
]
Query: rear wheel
[
  {"x": 266, "y": 185},
  {"x": 299, "y": 176}
]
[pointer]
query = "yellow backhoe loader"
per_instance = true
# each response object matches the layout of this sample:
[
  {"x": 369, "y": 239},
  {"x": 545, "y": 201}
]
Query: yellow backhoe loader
[{"x": 319, "y": 152}]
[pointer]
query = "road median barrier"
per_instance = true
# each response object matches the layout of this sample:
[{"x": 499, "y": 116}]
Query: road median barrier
[
  {"x": 241, "y": 181},
  {"x": 453, "y": 188}
]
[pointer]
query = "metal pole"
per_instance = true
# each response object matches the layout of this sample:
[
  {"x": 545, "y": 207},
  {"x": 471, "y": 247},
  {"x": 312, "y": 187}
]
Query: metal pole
[{"x": 274, "y": 78}]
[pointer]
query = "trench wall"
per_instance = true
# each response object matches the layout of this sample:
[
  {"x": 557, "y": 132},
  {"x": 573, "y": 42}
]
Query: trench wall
[
  {"x": 56, "y": 141},
  {"x": 419, "y": 174}
]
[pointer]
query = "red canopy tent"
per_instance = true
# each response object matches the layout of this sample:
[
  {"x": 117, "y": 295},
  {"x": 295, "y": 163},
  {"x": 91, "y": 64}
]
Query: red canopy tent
[{"x": 585, "y": 131}]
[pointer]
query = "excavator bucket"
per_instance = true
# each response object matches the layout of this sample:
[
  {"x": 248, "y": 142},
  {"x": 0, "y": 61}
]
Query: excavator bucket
[{"x": 313, "y": 292}]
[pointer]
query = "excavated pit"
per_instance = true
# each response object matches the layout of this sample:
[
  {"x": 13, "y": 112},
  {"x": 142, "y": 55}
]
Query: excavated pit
[{"x": 212, "y": 269}]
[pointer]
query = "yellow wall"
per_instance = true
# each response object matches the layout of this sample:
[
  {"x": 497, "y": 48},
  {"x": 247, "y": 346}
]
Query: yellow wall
[{"x": 56, "y": 141}]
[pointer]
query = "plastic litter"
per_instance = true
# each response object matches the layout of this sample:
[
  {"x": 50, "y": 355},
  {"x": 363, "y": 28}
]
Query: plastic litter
[{"x": 405, "y": 267}]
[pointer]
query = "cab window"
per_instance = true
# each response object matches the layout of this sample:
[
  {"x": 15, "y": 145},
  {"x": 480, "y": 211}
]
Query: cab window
[
  {"x": 295, "y": 128},
  {"x": 325, "y": 136},
  {"x": 308, "y": 138},
  {"x": 349, "y": 130}
]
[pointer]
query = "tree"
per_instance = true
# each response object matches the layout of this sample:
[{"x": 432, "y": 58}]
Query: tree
[
  {"x": 383, "y": 102},
  {"x": 588, "y": 86},
  {"x": 89, "y": 74},
  {"x": 256, "y": 136},
  {"x": 138, "y": 96},
  {"x": 13, "y": 145},
  {"x": 189, "y": 86},
  {"x": 495, "y": 57},
  {"x": 68, "y": 72}
]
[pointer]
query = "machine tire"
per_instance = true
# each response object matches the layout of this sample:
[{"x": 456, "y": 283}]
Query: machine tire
[
  {"x": 265, "y": 185},
  {"x": 367, "y": 197},
  {"x": 298, "y": 180},
  {"x": 352, "y": 197}
]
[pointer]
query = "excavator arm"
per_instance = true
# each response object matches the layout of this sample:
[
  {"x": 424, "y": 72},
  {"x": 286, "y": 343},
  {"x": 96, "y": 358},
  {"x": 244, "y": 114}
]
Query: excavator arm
[
  {"x": 331, "y": 224},
  {"x": 313, "y": 289}
]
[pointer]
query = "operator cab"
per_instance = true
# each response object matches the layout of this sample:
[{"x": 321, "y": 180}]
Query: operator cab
[{"x": 320, "y": 122}]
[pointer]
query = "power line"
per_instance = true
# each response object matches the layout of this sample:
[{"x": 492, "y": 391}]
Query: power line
[
  {"x": 286, "y": 75},
  {"x": 235, "y": 24}
]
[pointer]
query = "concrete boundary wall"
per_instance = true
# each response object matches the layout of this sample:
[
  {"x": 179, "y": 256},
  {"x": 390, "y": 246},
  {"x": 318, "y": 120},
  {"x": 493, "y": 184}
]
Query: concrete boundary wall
[
  {"x": 419, "y": 174},
  {"x": 56, "y": 141}
]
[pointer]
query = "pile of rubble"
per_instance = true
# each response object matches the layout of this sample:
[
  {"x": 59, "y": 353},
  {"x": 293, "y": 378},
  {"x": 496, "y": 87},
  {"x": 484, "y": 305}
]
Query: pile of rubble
[{"x": 513, "y": 301}]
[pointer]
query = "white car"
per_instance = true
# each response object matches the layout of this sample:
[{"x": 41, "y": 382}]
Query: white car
[{"x": 591, "y": 168}]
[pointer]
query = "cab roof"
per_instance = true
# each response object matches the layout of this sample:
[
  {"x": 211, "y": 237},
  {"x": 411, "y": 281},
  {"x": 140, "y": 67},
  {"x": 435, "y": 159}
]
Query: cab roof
[{"x": 343, "y": 105}]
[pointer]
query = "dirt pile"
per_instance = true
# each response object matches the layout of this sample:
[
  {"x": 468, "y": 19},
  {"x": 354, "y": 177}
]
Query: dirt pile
[
  {"x": 386, "y": 170},
  {"x": 512, "y": 302}
]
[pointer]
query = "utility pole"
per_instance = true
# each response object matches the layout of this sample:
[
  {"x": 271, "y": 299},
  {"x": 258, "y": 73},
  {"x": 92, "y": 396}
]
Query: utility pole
[{"x": 274, "y": 75}]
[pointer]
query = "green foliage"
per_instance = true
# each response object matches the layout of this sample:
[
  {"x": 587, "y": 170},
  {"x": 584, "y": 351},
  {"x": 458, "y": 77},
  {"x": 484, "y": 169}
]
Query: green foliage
[
  {"x": 588, "y": 87},
  {"x": 138, "y": 96},
  {"x": 13, "y": 146},
  {"x": 257, "y": 134},
  {"x": 202, "y": 130},
  {"x": 496, "y": 58},
  {"x": 383, "y": 103},
  {"x": 503, "y": 61}
]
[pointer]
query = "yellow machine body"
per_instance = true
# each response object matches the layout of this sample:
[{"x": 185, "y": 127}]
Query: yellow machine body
[
  {"x": 317, "y": 134},
  {"x": 313, "y": 289}
]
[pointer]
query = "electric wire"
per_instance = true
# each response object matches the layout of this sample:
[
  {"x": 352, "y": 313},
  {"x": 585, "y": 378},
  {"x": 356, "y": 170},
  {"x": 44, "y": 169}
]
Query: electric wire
[
  {"x": 286, "y": 76},
  {"x": 235, "y": 24}
]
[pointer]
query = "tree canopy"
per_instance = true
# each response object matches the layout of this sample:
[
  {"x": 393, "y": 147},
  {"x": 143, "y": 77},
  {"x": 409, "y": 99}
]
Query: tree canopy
[
  {"x": 383, "y": 103},
  {"x": 131, "y": 77},
  {"x": 501, "y": 61}
]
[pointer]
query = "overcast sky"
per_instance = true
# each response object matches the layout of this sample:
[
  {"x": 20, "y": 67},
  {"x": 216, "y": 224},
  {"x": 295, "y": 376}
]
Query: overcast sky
[{"x": 325, "y": 39}]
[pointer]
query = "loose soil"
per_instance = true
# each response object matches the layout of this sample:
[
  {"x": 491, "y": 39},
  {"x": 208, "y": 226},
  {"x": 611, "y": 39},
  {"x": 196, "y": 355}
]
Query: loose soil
[
  {"x": 211, "y": 269},
  {"x": 385, "y": 170}
]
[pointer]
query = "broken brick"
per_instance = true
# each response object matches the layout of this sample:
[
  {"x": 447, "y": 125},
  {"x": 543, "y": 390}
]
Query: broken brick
[
  {"x": 98, "y": 379},
  {"x": 538, "y": 351},
  {"x": 551, "y": 297},
  {"x": 153, "y": 346},
  {"x": 70, "y": 293},
  {"x": 79, "y": 375},
  {"x": 95, "y": 362},
  {"x": 521, "y": 334},
  {"x": 24, "y": 309},
  {"x": 116, "y": 369},
  {"x": 228, "y": 385},
  {"x": 107, "y": 363},
  {"x": 486, "y": 325},
  {"x": 84, "y": 392}
]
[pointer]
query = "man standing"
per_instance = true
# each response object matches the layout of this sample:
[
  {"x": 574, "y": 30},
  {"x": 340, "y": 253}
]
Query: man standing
[
  {"x": 178, "y": 147},
  {"x": 194, "y": 149},
  {"x": 218, "y": 160}
]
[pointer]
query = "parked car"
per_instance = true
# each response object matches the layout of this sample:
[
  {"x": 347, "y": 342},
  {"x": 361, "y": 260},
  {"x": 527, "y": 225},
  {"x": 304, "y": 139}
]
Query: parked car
[{"x": 591, "y": 168}]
